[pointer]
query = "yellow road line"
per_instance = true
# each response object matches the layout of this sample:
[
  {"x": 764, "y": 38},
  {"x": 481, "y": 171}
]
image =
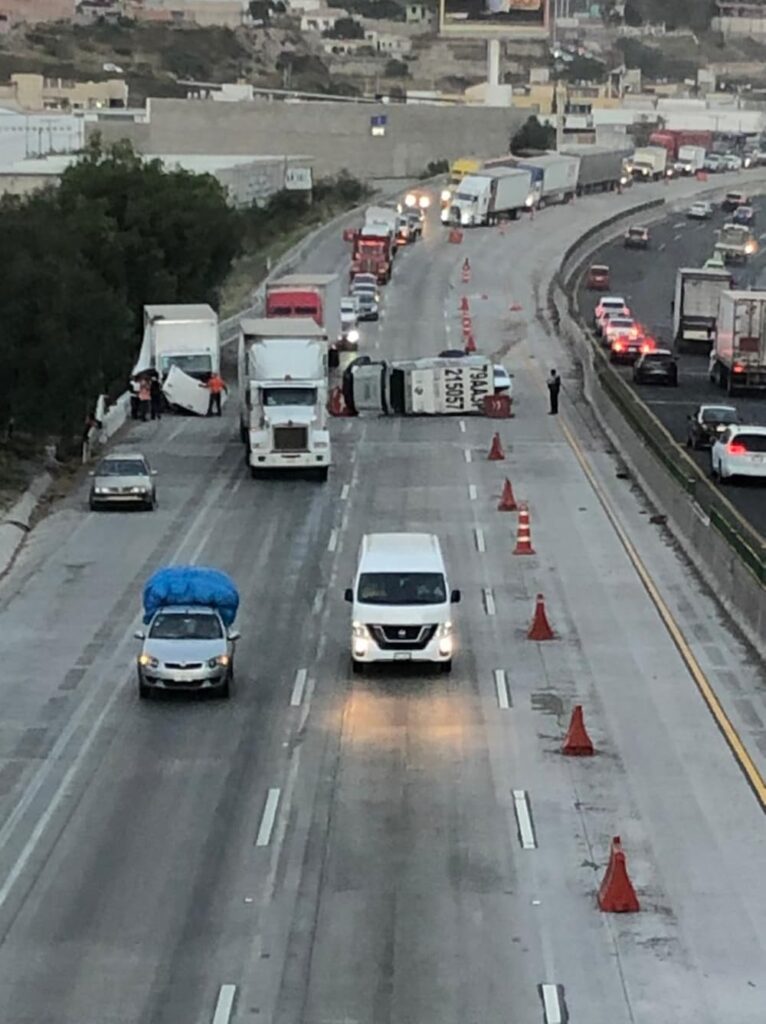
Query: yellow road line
[{"x": 737, "y": 747}]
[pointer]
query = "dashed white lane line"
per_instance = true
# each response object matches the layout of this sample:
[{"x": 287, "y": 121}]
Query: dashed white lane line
[
  {"x": 332, "y": 543},
  {"x": 467, "y": 454},
  {"x": 472, "y": 492},
  {"x": 524, "y": 820},
  {"x": 344, "y": 492},
  {"x": 224, "y": 1004},
  {"x": 501, "y": 685},
  {"x": 299, "y": 687},
  {"x": 267, "y": 818},
  {"x": 660, "y": 247},
  {"x": 318, "y": 601},
  {"x": 555, "y": 1010},
  {"x": 481, "y": 547},
  {"x": 461, "y": 424},
  {"x": 489, "y": 601}
]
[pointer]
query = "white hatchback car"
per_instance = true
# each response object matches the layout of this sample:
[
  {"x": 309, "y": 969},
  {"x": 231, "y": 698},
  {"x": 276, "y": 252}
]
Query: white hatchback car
[{"x": 738, "y": 452}]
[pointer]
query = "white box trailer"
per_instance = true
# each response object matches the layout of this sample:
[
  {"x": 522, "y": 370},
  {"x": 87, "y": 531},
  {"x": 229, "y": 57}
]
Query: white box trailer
[
  {"x": 695, "y": 305},
  {"x": 691, "y": 159},
  {"x": 738, "y": 359},
  {"x": 485, "y": 197},
  {"x": 554, "y": 177},
  {"x": 420, "y": 387},
  {"x": 283, "y": 373}
]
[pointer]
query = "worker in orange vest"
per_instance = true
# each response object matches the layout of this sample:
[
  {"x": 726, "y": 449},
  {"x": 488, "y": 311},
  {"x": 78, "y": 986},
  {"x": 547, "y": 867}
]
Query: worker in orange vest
[{"x": 215, "y": 385}]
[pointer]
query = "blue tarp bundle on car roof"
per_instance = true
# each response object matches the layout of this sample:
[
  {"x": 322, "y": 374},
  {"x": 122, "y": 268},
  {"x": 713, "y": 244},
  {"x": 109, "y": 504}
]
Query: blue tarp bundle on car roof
[{"x": 191, "y": 585}]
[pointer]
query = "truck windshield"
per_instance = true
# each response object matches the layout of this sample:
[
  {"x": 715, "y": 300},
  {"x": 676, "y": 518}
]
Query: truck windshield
[
  {"x": 186, "y": 626},
  {"x": 193, "y": 364},
  {"x": 289, "y": 396},
  {"x": 397, "y": 588},
  {"x": 466, "y": 197}
]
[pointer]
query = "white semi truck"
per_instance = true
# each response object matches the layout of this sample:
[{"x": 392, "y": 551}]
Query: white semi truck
[
  {"x": 485, "y": 197},
  {"x": 283, "y": 370},
  {"x": 735, "y": 244},
  {"x": 419, "y": 387},
  {"x": 695, "y": 306},
  {"x": 738, "y": 358}
]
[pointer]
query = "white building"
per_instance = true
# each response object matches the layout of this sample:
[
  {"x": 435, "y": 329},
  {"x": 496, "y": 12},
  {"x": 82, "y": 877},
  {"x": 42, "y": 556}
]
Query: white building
[{"x": 322, "y": 19}]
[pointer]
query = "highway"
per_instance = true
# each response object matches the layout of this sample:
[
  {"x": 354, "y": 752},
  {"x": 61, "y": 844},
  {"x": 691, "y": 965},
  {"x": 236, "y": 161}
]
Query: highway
[
  {"x": 647, "y": 280},
  {"x": 326, "y": 848}
]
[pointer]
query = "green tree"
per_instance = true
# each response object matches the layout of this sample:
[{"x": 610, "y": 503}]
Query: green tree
[
  {"x": 345, "y": 28},
  {"x": 396, "y": 69},
  {"x": 533, "y": 135}
]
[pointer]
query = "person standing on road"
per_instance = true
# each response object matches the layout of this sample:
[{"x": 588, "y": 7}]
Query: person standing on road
[
  {"x": 155, "y": 391},
  {"x": 215, "y": 385},
  {"x": 554, "y": 386},
  {"x": 135, "y": 405},
  {"x": 144, "y": 398}
]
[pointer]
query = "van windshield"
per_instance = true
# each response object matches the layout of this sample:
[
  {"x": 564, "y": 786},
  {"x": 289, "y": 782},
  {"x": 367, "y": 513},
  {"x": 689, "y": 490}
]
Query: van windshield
[{"x": 402, "y": 588}]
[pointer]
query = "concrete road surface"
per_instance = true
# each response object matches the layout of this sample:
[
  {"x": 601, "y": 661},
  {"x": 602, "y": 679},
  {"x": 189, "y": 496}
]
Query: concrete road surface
[
  {"x": 401, "y": 848},
  {"x": 647, "y": 280}
]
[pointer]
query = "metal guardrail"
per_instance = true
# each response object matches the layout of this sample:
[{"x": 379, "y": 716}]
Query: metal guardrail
[{"x": 744, "y": 540}]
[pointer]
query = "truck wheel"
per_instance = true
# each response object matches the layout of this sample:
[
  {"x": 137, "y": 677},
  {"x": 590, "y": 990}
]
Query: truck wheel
[
  {"x": 445, "y": 667},
  {"x": 225, "y": 690},
  {"x": 243, "y": 433},
  {"x": 253, "y": 472},
  {"x": 357, "y": 667},
  {"x": 323, "y": 473}
]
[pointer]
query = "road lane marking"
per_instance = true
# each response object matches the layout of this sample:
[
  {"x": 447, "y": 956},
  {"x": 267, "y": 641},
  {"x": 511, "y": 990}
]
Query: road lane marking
[
  {"x": 501, "y": 685},
  {"x": 660, "y": 247},
  {"x": 461, "y": 424},
  {"x": 344, "y": 492},
  {"x": 224, "y": 1004},
  {"x": 489, "y": 601},
  {"x": 318, "y": 601},
  {"x": 467, "y": 454},
  {"x": 472, "y": 492},
  {"x": 730, "y": 734},
  {"x": 553, "y": 1005},
  {"x": 479, "y": 536},
  {"x": 267, "y": 818},
  {"x": 524, "y": 820},
  {"x": 332, "y": 543},
  {"x": 299, "y": 687}
]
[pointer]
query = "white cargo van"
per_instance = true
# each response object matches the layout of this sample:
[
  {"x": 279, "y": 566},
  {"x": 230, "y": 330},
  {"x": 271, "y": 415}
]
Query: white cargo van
[{"x": 401, "y": 601}]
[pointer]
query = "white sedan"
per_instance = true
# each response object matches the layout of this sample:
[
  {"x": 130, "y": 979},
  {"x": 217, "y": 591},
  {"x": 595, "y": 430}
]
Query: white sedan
[
  {"x": 700, "y": 211},
  {"x": 739, "y": 451}
]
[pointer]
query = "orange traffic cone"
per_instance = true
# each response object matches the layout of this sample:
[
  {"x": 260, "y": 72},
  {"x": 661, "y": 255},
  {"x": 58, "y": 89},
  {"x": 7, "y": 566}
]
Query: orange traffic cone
[
  {"x": 464, "y": 304},
  {"x": 467, "y": 324},
  {"x": 470, "y": 344},
  {"x": 523, "y": 534},
  {"x": 540, "y": 628},
  {"x": 507, "y": 500},
  {"x": 466, "y": 275},
  {"x": 515, "y": 307},
  {"x": 617, "y": 895},
  {"x": 577, "y": 742},
  {"x": 496, "y": 453},
  {"x": 335, "y": 403}
]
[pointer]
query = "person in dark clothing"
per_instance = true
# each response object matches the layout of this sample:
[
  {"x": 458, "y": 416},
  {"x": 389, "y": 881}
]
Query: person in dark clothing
[
  {"x": 155, "y": 400},
  {"x": 134, "y": 402},
  {"x": 554, "y": 386}
]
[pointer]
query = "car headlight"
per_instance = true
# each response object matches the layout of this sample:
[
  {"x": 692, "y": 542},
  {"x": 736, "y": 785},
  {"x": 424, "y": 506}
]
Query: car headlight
[
  {"x": 424, "y": 202},
  {"x": 147, "y": 661},
  {"x": 353, "y": 335},
  {"x": 102, "y": 490},
  {"x": 221, "y": 660},
  {"x": 446, "y": 195},
  {"x": 138, "y": 490},
  {"x": 410, "y": 199}
]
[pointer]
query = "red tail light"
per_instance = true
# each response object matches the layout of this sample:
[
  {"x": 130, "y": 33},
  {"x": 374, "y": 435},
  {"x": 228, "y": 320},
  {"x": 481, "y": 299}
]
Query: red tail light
[
  {"x": 738, "y": 368},
  {"x": 734, "y": 448},
  {"x": 617, "y": 346}
]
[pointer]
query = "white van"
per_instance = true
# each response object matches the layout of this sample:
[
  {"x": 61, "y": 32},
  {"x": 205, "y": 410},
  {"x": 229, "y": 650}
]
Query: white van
[{"x": 401, "y": 601}]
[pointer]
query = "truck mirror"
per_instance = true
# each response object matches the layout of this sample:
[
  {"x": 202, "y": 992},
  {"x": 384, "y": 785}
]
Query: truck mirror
[
  {"x": 455, "y": 597},
  {"x": 348, "y": 595}
]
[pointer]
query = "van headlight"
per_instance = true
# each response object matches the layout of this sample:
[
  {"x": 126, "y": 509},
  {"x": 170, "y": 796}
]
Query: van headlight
[
  {"x": 446, "y": 195},
  {"x": 360, "y": 635},
  {"x": 444, "y": 636}
]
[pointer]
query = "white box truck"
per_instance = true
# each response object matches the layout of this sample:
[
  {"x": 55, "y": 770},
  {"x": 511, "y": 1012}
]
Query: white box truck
[
  {"x": 185, "y": 336},
  {"x": 690, "y": 159},
  {"x": 649, "y": 163},
  {"x": 735, "y": 243},
  {"x": 738, "y": 359},
  {"x": 695, "y": 306},
  {"x": 419, "y": 387},
  {"x": 483, "y": 198},
  {"x": 282, "y": 368}
]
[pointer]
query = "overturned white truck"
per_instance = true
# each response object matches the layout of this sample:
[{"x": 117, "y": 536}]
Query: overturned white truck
[{"x": 437, "y": 386}]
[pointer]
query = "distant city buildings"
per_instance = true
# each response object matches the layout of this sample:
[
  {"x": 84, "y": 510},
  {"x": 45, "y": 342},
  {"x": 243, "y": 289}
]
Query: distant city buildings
[{"x": 27, "y": 92}]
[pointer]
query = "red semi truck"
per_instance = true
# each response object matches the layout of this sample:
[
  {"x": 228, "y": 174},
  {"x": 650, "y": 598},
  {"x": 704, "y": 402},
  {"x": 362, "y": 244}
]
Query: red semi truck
[
  {"x": 307, "y": 295},
  {"x": 673, "y": 139},
  {"x": 373, "y": 250}
]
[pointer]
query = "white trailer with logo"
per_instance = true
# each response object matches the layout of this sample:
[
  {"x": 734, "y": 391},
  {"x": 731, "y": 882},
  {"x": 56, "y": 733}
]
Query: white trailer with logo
[{"x": 419, "y": 387}]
